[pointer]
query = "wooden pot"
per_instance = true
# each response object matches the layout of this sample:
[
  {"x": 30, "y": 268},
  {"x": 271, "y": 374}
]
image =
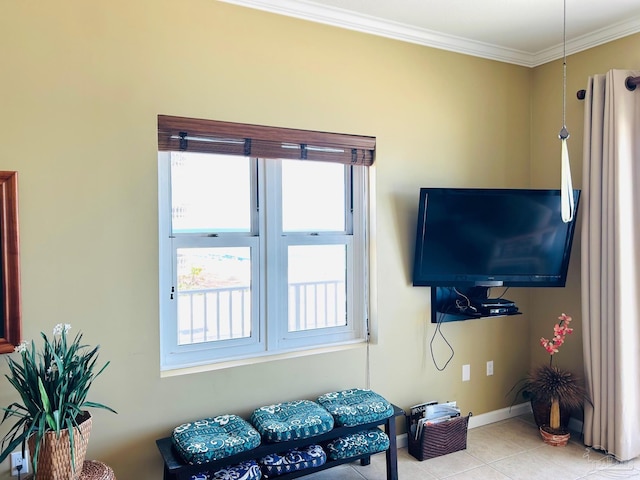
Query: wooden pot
[{"x": 542, "y": 412}]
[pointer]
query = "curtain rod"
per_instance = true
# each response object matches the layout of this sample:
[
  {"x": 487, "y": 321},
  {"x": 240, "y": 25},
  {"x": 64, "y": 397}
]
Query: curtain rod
[{"x": 631, "y": 83}]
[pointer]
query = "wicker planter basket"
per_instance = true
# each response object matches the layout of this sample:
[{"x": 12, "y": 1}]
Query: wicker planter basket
[
  {"x": 554, "y": 439},
  {"x": 54, "y": 459}
]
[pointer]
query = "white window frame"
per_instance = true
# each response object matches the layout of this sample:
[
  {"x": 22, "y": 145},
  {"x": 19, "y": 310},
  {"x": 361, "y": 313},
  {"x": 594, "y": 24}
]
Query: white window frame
[{"x": 268, "y": 337}]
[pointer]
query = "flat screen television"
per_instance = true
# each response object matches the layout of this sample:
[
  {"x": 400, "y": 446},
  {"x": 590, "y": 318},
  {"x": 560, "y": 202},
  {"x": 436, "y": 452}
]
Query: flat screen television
[{"x": 492, "y": 237}]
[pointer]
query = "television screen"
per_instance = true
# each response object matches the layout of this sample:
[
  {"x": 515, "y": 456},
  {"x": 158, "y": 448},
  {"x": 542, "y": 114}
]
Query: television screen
[{"x": 492, "y": 237}]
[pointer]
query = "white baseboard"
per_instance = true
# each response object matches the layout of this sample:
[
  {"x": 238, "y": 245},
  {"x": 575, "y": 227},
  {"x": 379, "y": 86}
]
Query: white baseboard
[
  {"x": 498, "y": 415},
  {"x": 485, "y": 419}
]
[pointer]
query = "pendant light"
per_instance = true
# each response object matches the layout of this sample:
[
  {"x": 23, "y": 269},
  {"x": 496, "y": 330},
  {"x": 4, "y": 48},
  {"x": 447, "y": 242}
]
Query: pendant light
[{"x": 566, "y": 189}]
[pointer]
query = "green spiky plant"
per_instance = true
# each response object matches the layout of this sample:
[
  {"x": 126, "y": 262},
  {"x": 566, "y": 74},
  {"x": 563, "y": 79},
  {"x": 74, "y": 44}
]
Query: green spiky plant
[
  {"x": 553, "y": 386},
  {"x": 53, "y": 386}
]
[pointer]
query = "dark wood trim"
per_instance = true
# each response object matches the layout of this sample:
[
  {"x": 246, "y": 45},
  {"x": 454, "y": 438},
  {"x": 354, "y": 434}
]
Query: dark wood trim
[
  {"x": 227, "y": 138},
  {"x": 10, "y": 257}
]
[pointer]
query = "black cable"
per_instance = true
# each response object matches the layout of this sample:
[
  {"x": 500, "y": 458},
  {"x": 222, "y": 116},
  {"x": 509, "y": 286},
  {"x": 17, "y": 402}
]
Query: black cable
[
  {"x": 463, "y": 308},
  {"x": 439, "y": 319},
  {"x": 506, "y": 289}
]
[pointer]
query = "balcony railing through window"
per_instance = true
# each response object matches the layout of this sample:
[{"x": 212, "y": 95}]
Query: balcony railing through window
[{"x": 215, "y": 314}]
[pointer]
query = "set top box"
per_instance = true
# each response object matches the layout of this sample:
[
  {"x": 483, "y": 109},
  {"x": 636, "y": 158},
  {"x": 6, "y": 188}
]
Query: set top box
[{"x": 497, "y": 306}]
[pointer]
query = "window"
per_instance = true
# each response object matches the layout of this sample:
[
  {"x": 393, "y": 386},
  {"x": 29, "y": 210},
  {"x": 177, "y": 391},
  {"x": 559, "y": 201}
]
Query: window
[{"x": 262, "y": 240}]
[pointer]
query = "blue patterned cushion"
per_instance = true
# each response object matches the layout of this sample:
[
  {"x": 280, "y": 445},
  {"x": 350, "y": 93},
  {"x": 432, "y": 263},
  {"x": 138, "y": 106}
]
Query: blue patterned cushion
[
  {"x": 249, "y": 470},
  {"x": 293, "y": 460},
  {"x": 291, "y": 420},
  {"x": 214, "y": 438},
  {"x": 356, "y": 407},
  {"x": 367, "y": 441}
]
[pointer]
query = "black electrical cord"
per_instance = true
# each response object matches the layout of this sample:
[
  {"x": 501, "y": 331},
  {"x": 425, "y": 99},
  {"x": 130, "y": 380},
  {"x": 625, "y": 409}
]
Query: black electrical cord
[
  {"x": 506, "y": 289},
  {"x": 461, "y": 306},
  {"x": 437, "y": 330}
]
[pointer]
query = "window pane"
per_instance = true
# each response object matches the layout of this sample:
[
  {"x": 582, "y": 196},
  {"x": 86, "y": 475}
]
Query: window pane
[
  {"x": 214, "y": 294},
  {"x": 317, "y": 285},
  {"x": 210, "y": 193},
  {"x": 313, "y": 196}
]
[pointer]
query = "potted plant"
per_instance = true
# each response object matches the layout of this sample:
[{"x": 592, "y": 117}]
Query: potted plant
[
  {"x": 554, "y": 393},
  {"x": 53, "y": 385}
]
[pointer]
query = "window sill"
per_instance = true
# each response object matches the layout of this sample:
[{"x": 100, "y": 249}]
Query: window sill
[{"x": 174, "y": 372}]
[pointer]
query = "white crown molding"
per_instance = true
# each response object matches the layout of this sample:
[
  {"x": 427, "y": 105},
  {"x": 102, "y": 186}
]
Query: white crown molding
[
  {"x": 338, "y": 17},
  {"x": 590, "y": 40}
]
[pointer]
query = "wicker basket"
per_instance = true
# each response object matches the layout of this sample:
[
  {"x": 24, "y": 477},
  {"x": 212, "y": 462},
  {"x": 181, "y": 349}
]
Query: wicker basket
[
  {"x": 54, "y": 458},
  {"x": 94, "y": 470},
  {"x": 440, "y": 438}
]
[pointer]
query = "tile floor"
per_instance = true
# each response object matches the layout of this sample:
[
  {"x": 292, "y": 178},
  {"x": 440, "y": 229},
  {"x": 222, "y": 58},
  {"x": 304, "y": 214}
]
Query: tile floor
[{"x": 510, "y": 449}]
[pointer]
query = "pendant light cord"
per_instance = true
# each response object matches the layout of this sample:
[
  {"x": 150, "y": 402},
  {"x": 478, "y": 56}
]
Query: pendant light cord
[
  {"x": 567, "y": 203},
  {"x": 564, "y": 67}
]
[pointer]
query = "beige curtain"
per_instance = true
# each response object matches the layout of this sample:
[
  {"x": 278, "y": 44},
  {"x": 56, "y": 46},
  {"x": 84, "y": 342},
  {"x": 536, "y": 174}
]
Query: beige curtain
[{"x": 611, "y": 264}]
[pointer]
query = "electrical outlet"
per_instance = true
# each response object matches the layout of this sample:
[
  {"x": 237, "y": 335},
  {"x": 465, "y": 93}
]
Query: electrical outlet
[
  {"x": 489, "y": 368},
  {"x": 466, "y": 373},
  {"x": 17, "y": 460}
]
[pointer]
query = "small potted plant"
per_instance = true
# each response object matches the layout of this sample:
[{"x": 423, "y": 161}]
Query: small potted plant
[
  {"x": 53, "y": 385},
  {"x": 554, "y": 393}
]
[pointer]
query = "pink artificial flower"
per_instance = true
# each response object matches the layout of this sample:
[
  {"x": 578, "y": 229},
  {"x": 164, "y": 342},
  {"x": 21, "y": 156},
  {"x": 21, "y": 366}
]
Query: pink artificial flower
[
  {"x": 565, "y": 318},
  {"x": 560, "y": 331}
]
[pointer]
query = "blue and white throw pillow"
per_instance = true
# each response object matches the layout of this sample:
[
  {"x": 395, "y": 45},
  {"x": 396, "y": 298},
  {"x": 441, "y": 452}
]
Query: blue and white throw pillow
[
  {"x": 214, "y": 438},
  {"x": 286, "y": 421},
  {"x": 356, "y": 406},
  {"x": 249, "y": 470},
  {"x": 371, "y": 441},
  {"x": 293, "y": 460}
]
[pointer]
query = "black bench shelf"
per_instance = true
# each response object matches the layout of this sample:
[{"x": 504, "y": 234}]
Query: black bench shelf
[{"x": 176, "y": 469}]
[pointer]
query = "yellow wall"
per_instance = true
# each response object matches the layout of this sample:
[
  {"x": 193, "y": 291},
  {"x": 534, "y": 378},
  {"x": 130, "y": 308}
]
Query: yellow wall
[{"x": 81, "y": 86}]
